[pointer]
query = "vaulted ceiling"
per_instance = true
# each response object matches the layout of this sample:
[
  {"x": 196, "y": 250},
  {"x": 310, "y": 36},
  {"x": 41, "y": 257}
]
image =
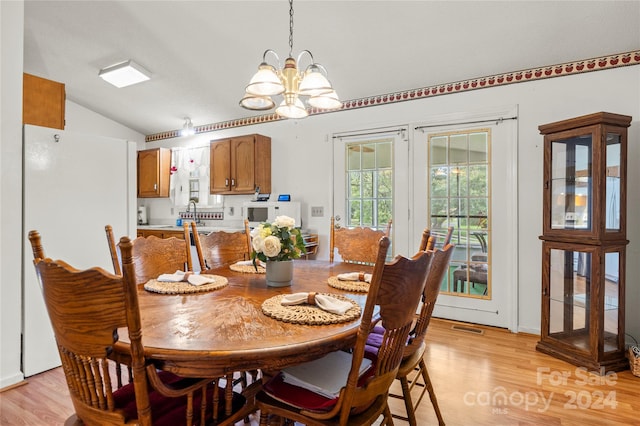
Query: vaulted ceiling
[{"x": 203, "y": 53}]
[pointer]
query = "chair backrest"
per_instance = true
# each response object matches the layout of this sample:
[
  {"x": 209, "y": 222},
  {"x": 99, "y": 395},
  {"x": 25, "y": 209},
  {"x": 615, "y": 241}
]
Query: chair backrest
[
  {"x": 86, "y": 307},
  {"x": 113, "y": 250},
  {"x": 220, "y": 248},
  {"x": 428, "y": 241},
  {"x": 153, "y": 256},
  {"x": 355, "y": 245},
  {"x": 395, "y": 288},
  {"x": 439, "y": 268}
]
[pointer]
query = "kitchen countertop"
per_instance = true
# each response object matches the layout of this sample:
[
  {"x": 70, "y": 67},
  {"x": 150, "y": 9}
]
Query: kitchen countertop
[{"x": 201, "y": 229}]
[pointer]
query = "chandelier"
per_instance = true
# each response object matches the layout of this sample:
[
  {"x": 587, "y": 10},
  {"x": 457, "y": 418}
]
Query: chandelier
[{"x": 268, "y": 82}]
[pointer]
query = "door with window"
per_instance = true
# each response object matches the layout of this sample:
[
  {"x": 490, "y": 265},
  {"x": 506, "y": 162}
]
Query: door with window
[
  {"x": 465, "y": 178},
  {"x": 370, "y": 183}
]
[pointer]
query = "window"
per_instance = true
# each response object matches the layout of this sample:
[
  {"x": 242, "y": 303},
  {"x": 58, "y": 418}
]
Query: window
[
  {"x": 459, "y": 181},
  {"x": 369, "y": 181}
]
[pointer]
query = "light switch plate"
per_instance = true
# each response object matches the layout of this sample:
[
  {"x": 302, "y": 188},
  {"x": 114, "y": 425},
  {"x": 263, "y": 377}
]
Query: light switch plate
[{"x": 317, "y": 211}]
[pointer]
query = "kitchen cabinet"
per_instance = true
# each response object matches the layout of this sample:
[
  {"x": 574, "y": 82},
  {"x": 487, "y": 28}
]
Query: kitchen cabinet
[
  {"x": 240, "y": 165},
  {"x": 43, "y": 102},
  {"x": 154, "y": 169},
  {"x": 584, "y": 241}
]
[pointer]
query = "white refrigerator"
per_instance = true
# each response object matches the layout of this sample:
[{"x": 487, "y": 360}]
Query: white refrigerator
[{"x": 74, "y": 185}]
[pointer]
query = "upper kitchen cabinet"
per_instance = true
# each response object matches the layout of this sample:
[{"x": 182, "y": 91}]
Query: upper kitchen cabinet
[
  {"x": 42, "y": 102},
  {"x": 154, "y": 169},
  {"x": 240, "y": 165}
]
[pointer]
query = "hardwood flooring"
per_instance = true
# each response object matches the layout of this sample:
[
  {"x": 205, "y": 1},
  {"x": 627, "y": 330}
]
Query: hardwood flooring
[{"x": 494, "y": 378}]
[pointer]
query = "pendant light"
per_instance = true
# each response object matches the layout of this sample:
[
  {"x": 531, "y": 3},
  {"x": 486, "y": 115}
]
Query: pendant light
[{"x": 270, "y": 81}]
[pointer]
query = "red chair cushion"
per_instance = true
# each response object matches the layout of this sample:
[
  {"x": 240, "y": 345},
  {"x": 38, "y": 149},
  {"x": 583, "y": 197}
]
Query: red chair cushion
[{"x": 168, "y": 411}]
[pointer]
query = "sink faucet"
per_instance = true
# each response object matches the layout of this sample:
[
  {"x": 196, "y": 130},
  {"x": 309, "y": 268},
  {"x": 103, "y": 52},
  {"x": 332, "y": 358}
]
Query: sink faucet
[{"x": 195, "y": 212}]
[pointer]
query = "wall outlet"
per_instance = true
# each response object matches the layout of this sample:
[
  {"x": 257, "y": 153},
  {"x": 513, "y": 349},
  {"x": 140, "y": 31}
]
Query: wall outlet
[{"x": 317, "y": 211}]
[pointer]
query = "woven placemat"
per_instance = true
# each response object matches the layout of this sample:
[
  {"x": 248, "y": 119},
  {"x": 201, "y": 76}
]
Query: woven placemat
[
  {"x": 357, "y": 286},
  {"x": 184, "y": 287},
  {"x": 248, "y": 269},
  {"x": 308, "y": 314}
]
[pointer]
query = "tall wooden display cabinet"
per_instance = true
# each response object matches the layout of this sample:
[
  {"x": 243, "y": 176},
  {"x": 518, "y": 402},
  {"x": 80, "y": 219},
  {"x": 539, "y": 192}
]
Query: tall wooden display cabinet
[{"x": 584, "y": 241}]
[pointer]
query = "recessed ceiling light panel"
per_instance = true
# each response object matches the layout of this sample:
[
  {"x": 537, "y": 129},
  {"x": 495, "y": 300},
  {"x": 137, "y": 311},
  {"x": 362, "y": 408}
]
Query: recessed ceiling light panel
[{"x": 125, "y": 74}]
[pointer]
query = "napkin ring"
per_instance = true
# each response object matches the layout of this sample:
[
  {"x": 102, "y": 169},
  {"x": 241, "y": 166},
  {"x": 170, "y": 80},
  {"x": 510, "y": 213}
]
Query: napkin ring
[
  {"x": 361, "y": 276},
  {"x": 311, "y": 298}
]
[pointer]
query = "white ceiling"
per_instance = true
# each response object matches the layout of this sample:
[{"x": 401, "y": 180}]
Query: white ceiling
[{"x": 203, "y": 53}]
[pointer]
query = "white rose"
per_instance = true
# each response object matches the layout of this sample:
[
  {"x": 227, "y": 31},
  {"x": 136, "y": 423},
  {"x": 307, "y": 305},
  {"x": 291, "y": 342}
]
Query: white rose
[
  {"x": 271, "y": 246},
  {"x": 258, "y": 244},
  {"x": 285, "y": 222}
]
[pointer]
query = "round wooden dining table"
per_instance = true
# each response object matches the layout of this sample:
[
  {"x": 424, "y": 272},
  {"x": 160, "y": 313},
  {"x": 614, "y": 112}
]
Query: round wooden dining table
[{"x": 211, "y": 334}]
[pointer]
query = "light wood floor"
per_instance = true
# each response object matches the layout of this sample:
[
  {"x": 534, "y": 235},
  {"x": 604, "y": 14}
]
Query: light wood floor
[{"x": 496, "y": 378}]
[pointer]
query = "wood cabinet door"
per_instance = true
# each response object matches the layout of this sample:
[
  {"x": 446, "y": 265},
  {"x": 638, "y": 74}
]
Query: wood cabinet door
[
  {"x": 148, "y": 177},
  {"x": 154, "y": 172},
  {"x": 243, "y": 164},
  {"x": 220, "y": 167}
]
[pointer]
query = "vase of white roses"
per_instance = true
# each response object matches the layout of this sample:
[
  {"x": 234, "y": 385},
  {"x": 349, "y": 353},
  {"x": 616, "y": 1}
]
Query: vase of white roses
[{"x": 277, "y": 244}]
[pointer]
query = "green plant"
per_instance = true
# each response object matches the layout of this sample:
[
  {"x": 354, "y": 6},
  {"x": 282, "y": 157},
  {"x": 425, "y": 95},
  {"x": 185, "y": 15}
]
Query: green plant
[{"x": 276, "y": 241}]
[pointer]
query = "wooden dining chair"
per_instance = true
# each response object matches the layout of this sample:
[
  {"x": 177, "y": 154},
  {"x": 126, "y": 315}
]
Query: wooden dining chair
[
  {"x": 355, "y": 245},
  {"x": 86, "y": 309},
  {"x": 153, "y": 256},
  {"x": 221, "y": 248},
  {"x": 395, "y": 289},
  {"x": 413, "y": 369}
]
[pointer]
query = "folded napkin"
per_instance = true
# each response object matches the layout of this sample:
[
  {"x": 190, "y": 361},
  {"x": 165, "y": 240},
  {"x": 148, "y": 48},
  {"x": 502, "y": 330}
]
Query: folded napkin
[
  {"x": 249, "y": 263},
  {"x": 355, "y": 276},
  {"x": 324, "y": 302},
  {"x": 189, "y": 277}
]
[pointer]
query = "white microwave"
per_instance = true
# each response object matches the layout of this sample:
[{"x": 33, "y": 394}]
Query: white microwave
[{"x": 257, "y": 212}]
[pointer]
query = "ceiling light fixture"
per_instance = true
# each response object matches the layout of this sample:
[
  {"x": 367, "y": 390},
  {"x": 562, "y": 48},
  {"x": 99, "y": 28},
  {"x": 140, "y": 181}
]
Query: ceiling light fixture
[
  {"x": 291, "y": 84},
  {"x": 124, "y": 74},
  {"x": 187, "y": 129}
]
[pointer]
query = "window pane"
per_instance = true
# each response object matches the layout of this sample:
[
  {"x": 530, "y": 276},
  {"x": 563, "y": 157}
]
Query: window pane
[
  {"x": 354, "y": 213},
  {"x": 368, "y": 156},
  {"x": 384, "y": 155},
  {"x": 458, "y": 153},
  {"x": 353, "y": 157},
  {"x": 385, "y": 184},
  {"x": 354, "y": 184},
  {"x": 367, "y": 184},
  {"x": 478, "y": 147},
  {"x": 438, "y": 150}
]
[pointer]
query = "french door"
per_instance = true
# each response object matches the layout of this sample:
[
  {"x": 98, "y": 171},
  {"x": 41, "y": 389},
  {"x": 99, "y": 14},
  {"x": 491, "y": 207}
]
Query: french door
[
  {"x": 465, "y": 177},
  {"x": 437, "y": 175},
  {"x": 371, "y": 183}
]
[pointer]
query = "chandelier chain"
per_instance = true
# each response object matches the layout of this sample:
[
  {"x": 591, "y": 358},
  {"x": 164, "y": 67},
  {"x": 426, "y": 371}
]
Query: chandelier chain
[{"x": 291, "y": 28}]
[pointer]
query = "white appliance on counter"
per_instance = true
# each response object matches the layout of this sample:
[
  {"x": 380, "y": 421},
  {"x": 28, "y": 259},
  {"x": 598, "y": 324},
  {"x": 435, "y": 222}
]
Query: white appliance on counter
[
  {"x": 74, "y": 185},
  {"x": 257, "y": 212}
]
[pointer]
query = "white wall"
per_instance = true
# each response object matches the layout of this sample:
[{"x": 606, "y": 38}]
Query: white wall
[
  {"x": 306, "y": 171},
  {"x": 78, "y": 120},
  {"x": 11, "y": 30}
]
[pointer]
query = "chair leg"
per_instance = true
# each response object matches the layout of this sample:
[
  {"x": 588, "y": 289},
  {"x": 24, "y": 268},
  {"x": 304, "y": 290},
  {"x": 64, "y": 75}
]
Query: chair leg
[
  {"x": 432, "y": 394},
  {"x": 406, "y": 392}
]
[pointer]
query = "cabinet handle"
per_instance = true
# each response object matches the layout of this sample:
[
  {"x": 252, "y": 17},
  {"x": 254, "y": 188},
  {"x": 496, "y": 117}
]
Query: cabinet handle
[
  {"x": 155, "y": 186},
  {"x": 233, "y": 182},
  {"x": 226, "y": 182}
]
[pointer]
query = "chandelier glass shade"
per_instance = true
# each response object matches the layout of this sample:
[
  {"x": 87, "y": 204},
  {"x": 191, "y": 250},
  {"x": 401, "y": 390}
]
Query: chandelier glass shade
[{"x": 312, "y": 85}]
